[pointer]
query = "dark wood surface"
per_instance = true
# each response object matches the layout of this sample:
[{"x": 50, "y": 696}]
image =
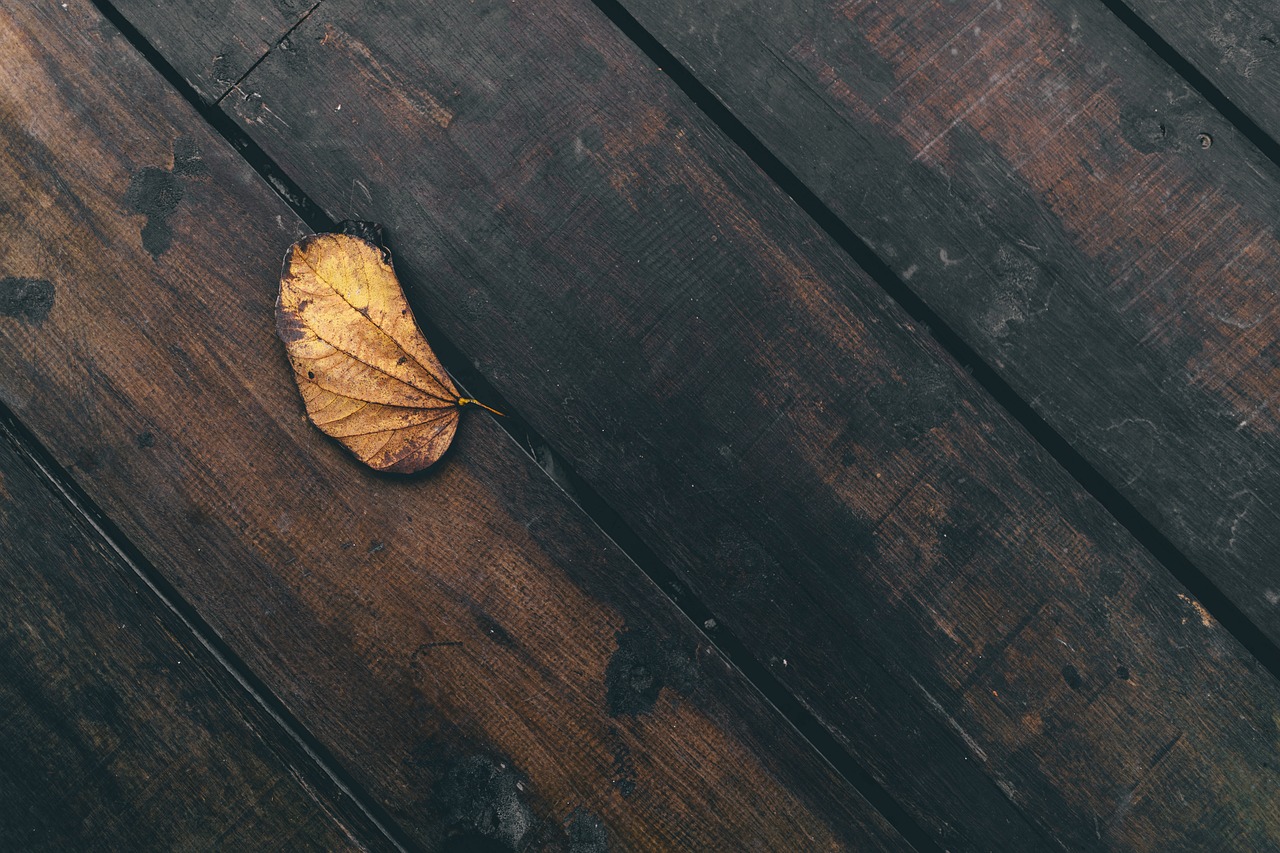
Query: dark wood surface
[
  {"x": 221, "y": 40},
  {"x": 121, "y": 731},
  {"x": 480, "y": 659},
  {"x": 964, "y": 634},
  {"x": 1235, "y": 44},
  {"x": 1085, "y": 221},
  {"x": 871, "y": 526}
]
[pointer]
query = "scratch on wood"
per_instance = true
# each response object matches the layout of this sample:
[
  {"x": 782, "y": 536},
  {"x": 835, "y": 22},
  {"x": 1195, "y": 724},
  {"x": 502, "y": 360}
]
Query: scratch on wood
[
  {"x": 1164, "y": 750},
  {"x": 951, "y": 721},
  {"x": 415, "y": 96}
]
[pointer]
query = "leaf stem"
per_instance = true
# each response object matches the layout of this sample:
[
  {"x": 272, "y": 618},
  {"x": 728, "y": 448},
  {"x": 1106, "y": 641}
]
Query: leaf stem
[{"x": 467, "y": 401}]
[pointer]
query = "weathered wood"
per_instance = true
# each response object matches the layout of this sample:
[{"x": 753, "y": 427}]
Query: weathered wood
[
  {"x": 220, "y": 40},
  {"x": 833, "y": 487},
  {"x": 1235, "y": 44},
  {"x": 467, "y": 644},
  {"x": 1087, "y": 223},
  {"x": 121, "y": 732}
]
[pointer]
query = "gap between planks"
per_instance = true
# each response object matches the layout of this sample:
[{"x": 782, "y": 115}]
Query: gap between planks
[
  {"x": 74, "y": 498},
  {"x": 1183, "y": 570},
  {"x": 1170, "y": 556},
  {"x": 236, "y": 85},
  {"x": 1196, "y": 79},
  {"x": 460, "y": 368}
]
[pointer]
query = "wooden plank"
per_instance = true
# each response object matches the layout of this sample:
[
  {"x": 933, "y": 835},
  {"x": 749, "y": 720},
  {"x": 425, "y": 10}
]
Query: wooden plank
[
  {"x": 121, "y": 731},
  {"x": 221, "y": 41},
  {"x": 1085, "y": 221},
  {"x": 866, "y": 521},
  {"x": 467, "y": 644},
  {"x": 1235, "y": 44}
]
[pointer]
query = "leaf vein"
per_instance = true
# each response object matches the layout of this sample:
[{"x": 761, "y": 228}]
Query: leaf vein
[{"x": 426, "y": 370}]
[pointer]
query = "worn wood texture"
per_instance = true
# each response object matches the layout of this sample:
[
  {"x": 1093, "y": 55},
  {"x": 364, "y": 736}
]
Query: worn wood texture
[
  {"x": 467, "y": 644},
  {"x": 122, "y": 732},
  {"x": 220, "y": 40},
  {"x": 902, "y": 557},
  {"x": 1233, "y": 43},
  {"x": 1088, "y": 224}
]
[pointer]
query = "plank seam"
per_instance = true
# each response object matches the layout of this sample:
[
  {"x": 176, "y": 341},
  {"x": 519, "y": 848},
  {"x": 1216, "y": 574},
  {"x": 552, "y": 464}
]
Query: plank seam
[
  {"x": 1086, "y": 475},
  {"x": 1196, "y": 79},
  {"x": 814, "y": 732},
  {"x": 78, "y": 502},
  {"x": 236, "y": 85}
]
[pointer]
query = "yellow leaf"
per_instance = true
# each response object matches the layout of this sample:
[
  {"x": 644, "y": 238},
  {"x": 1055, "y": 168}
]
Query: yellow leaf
[{"x": 366, "y": 374}]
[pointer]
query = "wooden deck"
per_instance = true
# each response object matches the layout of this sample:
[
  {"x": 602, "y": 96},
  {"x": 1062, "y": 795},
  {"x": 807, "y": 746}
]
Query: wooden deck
[{"x": 892, "y": 457}]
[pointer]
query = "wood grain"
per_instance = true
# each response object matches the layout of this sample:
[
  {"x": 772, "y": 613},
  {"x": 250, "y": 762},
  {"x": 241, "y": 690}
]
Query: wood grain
[
  {"x": 901, "y": 556},
  {"x": 1086, "y": 222},
  {"x": 1233, "y": 43},
  {"x": 476, "y": 654},
  {"x": 220, "y": 40},
  {"x": 121, "y": 730}
]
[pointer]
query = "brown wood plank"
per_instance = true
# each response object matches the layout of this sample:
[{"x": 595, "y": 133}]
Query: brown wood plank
[
  {"x": 474, "y": 652},
  {"x": 1235, "y": 44},
  {"x": 838, "y": 492},
  {"x": 1086, "y": 222},
  {"x": 121, "y": 731}
]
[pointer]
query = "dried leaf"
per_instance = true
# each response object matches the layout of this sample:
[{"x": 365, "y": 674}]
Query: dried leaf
[{"x": 366, "y": 374}]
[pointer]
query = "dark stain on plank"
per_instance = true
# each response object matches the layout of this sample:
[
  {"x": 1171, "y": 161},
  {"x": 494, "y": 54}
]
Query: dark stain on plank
[
  {"x": 29, "y": 299},
  {"x": 587, "y": 833},
  {"x": 188, "y": 161},
  {"x": 156, "y": 193},
  {"x": 223, "y": 70},
  {"x": 639, "y": 669},
  {"x": 624, "y": 767},
  {"x": 482, "y": 804}
]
